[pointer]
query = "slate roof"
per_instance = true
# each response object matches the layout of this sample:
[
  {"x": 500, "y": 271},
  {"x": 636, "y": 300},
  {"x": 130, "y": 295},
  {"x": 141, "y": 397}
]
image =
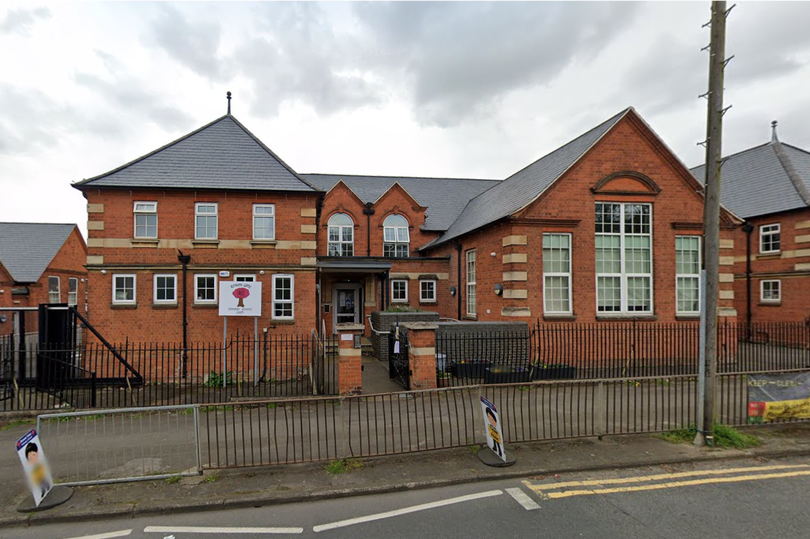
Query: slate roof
[
  {"x": 220, "y": 155},
  {"x": 770, "y": 178},
  {"x": 26, "y": 249},
  {"x": 444, "y": 197},
  {"x": 521, "y": 188}
]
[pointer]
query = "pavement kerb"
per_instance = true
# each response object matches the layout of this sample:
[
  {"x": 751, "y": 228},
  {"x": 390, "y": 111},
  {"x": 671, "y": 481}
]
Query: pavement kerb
[{"x": 501, "y": 474}]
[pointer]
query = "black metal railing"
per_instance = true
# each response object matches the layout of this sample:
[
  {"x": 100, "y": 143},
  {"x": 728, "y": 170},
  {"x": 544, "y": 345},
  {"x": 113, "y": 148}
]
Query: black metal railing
[
  {"x": 489, "y": 357},
  {"x": 241, "y": 369}
]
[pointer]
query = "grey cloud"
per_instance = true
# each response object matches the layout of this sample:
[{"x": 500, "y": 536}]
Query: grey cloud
[
  {"x": 129, "y": 95},
  {"x": 194, "y": 45},
  {"x": 461, "y": 58},
  {"x": 297, "y": 56},
  {"x": 20, "y": 21}
]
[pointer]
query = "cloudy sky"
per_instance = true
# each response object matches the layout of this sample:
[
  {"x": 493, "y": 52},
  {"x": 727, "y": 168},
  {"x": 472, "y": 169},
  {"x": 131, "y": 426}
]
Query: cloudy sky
[{"x": 447, "y": 89}]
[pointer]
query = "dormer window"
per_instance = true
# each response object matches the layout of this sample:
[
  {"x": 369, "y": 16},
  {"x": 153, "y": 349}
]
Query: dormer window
[
  {"x": 396, "y": 237},
  {"x": 341, "y": 235}
]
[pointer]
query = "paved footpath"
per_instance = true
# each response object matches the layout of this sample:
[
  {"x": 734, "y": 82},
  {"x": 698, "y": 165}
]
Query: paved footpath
[{"x": 250, "y": 487}]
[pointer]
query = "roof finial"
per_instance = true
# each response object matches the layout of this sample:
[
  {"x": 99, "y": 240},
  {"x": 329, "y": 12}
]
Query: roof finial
[
  {"x": 229, "y": 103},
  {"x": 774, "y": 138}
]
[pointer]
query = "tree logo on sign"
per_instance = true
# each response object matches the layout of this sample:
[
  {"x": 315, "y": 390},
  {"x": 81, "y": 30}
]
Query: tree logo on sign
[{"x": 241, "y": 294}]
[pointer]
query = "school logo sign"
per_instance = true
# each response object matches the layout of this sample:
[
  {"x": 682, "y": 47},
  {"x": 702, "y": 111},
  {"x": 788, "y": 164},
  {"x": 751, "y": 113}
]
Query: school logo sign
[{"x": 240, "y": 298}]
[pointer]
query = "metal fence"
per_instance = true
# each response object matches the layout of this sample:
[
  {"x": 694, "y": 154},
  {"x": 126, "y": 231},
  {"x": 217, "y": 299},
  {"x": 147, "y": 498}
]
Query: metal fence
[
  {"x": 640, "y": 348},
  {"x": 150, "y": 442},
  {"x": 122, "y": 445},
  {"x": 91, "y": 374}
]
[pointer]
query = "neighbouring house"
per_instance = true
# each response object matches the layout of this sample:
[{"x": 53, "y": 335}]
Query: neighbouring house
[
  {"x": 40, "y": 263},
  {"x": 769, "y": 187},
  {"x": 221, "y": 197},
  {"x": 607, "y": 227}
]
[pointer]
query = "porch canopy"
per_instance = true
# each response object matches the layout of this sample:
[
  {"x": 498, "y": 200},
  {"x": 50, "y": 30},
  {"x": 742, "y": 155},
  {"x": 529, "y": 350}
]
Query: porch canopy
[{"x": 353, "y": 265}]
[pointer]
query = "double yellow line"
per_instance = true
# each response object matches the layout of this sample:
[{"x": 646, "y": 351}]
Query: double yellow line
[{"x": 647, "y": 482}]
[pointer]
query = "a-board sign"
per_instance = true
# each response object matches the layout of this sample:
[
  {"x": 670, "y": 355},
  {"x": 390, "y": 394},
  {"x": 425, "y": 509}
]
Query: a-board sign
[
  {"x": 32, "y": 457},
  {"x": 778, "y": 396},
  {"x": 492, "y": 426},
  {"x": 240, "y": 298}
]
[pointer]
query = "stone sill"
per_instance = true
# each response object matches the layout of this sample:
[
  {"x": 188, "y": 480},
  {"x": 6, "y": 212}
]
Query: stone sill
[
  {"x": 204, "y": 306},
  {"x": 770, "y": 303},
  {"x": 626, "y": 318},
  {"x": 687, "y": 317},
  {"x": 283, "y": 322},
  {"x": 470, "y": 317},
  {"x": 432, "y": 302},
  {"x": 204, "y": 243},
  {"x": 164, "y": 305},
  {"x": 559, "y": 317},
  {"x": 123, "y": 306},
  {"x": 144, "y": 242},
  {"x": 768, "y": 256},
  {"x": 258, "y": 244}
]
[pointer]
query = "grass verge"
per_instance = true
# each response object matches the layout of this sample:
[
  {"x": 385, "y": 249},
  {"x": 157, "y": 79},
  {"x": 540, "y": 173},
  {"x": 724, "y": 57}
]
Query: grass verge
[
  {"x": 337, "y": 467},
  {"x": 724, "y": 436}
]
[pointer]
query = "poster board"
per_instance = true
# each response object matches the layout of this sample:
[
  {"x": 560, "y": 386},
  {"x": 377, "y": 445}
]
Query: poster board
[
  {"x": 240, "y": 298},
  {"x": 773, "y": 397},
  {"x": 492, "y": 427},
  {"x": 35, "y": 466}
]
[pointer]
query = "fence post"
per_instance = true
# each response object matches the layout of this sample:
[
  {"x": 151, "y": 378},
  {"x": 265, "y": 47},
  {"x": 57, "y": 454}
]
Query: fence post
[
  {"x": 422, "y": 354},
  {"x": 197, "y": 444},
  {"x": 92, "y": 390},
  {"x": 350, "y": 367},
  {"x": 603, "y": 415}
]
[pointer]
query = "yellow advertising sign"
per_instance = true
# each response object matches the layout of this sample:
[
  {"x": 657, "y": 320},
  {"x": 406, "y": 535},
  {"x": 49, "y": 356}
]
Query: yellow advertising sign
[{"x": 778, "y": 397}]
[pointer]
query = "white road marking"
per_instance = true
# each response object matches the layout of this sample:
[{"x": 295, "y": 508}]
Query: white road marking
[
  {"x": 523, "y": 499},
  {"x": 215, "y": 529},
  {"x": 108, "y": 535},
  {"x": 405, "y": 510}
]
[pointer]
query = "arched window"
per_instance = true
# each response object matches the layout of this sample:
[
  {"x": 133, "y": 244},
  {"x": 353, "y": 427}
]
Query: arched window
[
  {"x": 396, "y": 239},
  {"x": 341, "y": 235}
]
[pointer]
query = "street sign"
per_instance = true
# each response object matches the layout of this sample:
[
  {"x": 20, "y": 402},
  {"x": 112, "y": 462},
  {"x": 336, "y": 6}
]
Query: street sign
[
  {"x": 492, "y": 426},
  {"x": 240, "y": 298},
  {"x": 32, "y": 457}
]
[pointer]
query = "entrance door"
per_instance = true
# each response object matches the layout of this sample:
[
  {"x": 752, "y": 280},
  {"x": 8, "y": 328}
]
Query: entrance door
[{"x": 347, "y": 304}]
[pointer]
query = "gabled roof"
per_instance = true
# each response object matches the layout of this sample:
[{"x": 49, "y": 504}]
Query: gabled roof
[
  {"x": 220, "y": 155},
  {"x": 770, "y": 178},
  {"x": 444, "y": 197},
  {"x": 523, "y": 187},
  {"x": 26, "y": 249}
]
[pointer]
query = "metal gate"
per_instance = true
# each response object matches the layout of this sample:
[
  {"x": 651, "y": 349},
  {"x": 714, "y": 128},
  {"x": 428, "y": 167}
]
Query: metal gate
[{"x": 399, "y": 368}]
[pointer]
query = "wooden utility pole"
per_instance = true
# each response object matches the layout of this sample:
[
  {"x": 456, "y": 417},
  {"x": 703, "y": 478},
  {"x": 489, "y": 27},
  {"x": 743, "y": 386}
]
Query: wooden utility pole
[{"x": 711, "y": 217}]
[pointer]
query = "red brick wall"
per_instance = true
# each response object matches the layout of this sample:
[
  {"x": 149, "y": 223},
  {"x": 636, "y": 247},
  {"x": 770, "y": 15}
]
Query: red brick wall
[
  {"x": 568, "y": 206},
  {"x": 294, "y": 223},
  {"x": 791, "y": 266}
]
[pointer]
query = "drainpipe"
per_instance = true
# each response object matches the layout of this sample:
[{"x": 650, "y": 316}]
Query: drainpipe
[
  {"x": 184, "y": 260},
  {"x": 368, "y": 211},
  {"x": 458, "y": 275},
  {"x": 748, "y": 228}
]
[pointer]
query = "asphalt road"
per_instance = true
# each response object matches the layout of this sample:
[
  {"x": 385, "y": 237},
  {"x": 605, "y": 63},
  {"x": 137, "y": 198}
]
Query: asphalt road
[{"x": 729, "y": 499}]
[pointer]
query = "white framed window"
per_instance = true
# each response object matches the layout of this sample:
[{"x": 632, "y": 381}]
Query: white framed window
[
  {"x": 73, "y": 290},
  {"x": 623, "y": 258},
  {"x": 123, "y": 288},
  {"x": 687, "y": 274},
  {"x": 341, "y": 235},
  {"x": 205, "y": 220},
  {"x": 244, "y": 278},
  {"x": 770, "y": 291},
  {"x": 145, "y": 226},
  {"x": 399, "y": 290},
  {"x": 770, "y": 238},
  {"x": 470, "y": 255},
  {"x": 165, "y": 288},
  {"x": 396, "y": 237},
  {"x": 427, "y": 290},
  {"x": 264, "y": 221},
  {"x": 205, "y": 288},
  {"x": 283, "y": 297},
  {"x": 557, "y": 273},
  {"x": 54, "y": 292}
]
